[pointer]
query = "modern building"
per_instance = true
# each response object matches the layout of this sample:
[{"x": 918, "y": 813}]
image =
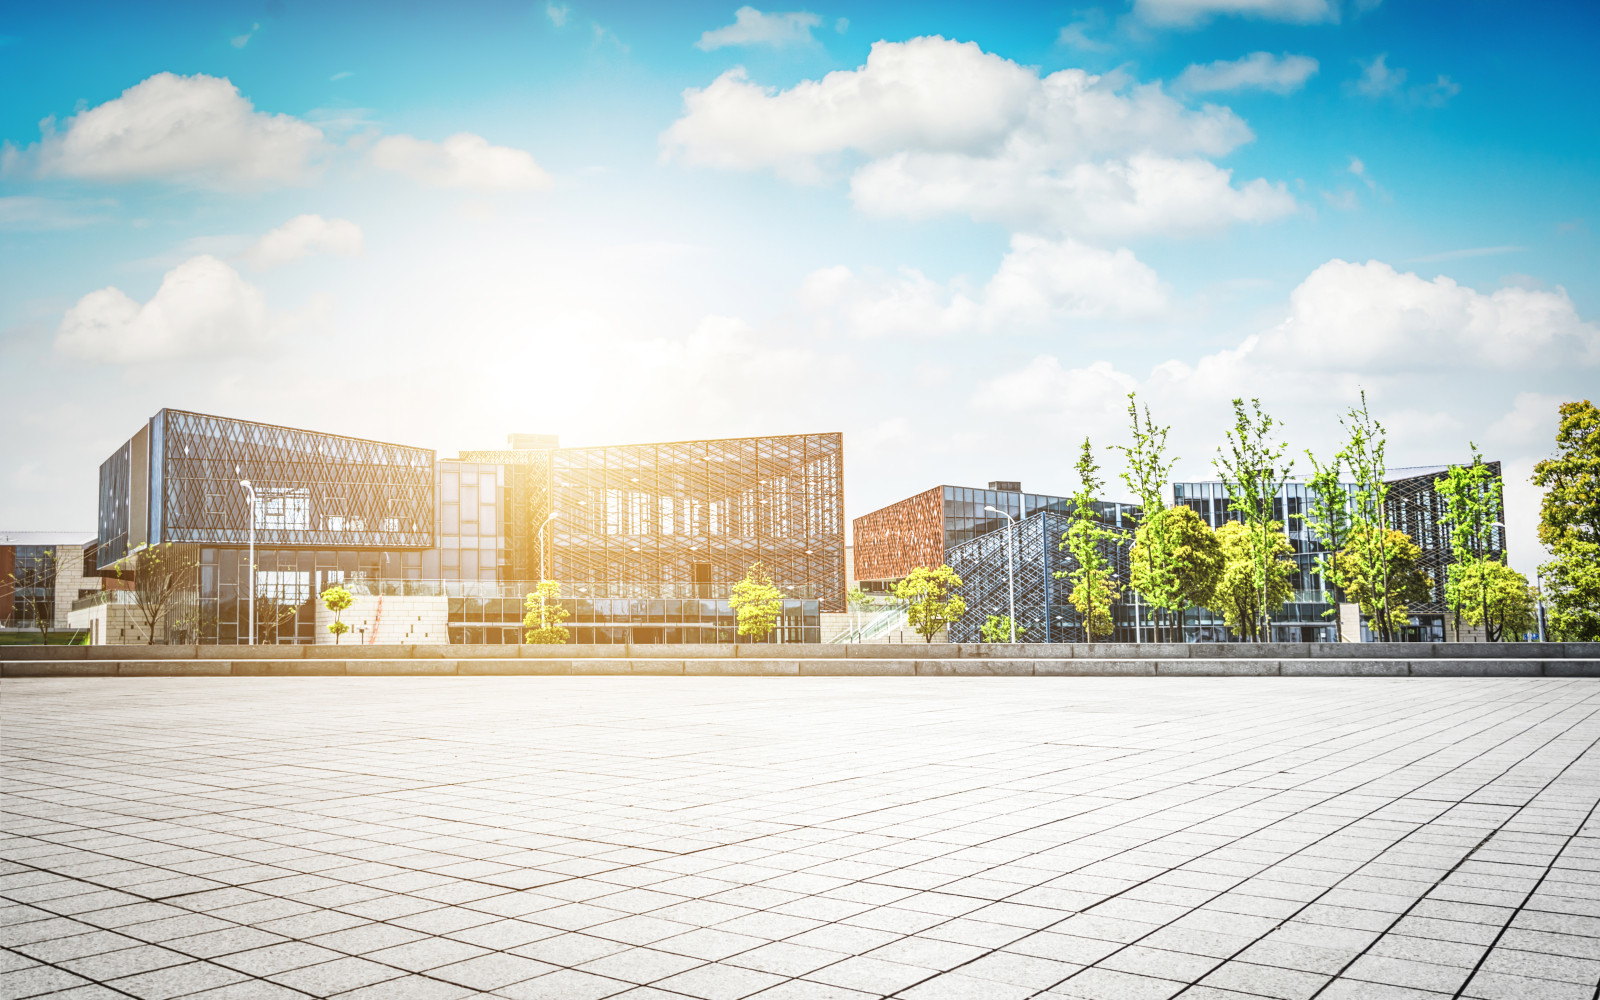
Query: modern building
[
  {"x": 922, "y": 530},
  {"x": 41, "y": 574},
  {"x": 1415, "y": 507},
  {"x": 646, "y": 539}
]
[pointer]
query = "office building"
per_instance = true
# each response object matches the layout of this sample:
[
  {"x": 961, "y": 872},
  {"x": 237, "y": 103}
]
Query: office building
[
  {"x": 41, "y": 574},
  {"x": 645, "y": 539}
]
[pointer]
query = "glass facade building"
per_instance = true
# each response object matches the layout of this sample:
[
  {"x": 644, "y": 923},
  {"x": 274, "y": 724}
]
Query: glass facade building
[
  {"x": 923, "y": 529},
  {"x": 645, "y": 539},
  {"x": 1039, "y": 562},
  {"x": 1414, "y": 507}
]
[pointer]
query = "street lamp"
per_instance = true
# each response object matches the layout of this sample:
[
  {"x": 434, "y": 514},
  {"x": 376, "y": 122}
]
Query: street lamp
[
  {"x": 553, "y": 515},
  {"x": 1011, "y": 574},
  {"x": 251, "y": 491}
]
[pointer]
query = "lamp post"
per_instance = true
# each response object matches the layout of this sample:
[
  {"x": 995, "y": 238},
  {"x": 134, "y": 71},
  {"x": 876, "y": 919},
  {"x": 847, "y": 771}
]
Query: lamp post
[
  {"x": 251, "y": 492},
  {"x": 1011, "y": 574},
  {"x": 553, "y": 515}
]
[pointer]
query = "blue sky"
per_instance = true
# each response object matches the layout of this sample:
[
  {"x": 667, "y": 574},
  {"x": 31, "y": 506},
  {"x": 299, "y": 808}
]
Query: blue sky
[{"x": 962, "y": 248}]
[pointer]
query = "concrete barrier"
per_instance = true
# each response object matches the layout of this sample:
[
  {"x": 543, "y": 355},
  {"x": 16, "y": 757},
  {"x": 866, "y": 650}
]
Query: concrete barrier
[{"x": 820, "y": 660}]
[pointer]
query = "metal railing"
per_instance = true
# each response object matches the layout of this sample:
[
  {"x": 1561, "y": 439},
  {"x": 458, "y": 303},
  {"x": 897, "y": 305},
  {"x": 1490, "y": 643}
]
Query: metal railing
[
  {"x": 100, "y": 597},
  {"x": 878, "y": 624}
]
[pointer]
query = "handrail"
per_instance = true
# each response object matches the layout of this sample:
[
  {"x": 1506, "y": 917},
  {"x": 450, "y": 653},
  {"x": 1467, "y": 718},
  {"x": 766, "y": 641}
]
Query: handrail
[{"x": 884, "y": 621}]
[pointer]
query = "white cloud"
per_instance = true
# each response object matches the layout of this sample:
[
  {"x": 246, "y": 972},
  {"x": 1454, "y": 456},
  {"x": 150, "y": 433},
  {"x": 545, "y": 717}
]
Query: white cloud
[
  {"x": 240, "y": 41},
  {"x": 752, "y": 27},
  {"x": 1191, "y": 13},
  {"x": 1369, "y": 317},
  {"x": 203, "y": 308},
  {"x": 1258, "y": 71},
  {"x": 558, "y": 13},
  {"x": 948, "y": 128},
  {"x": 188, "y": 129},
  {"x": 1379, "y": 80},
  {"x": 303, "y": 235},
  {"x": 463, "y": 160},
  {"x": 1039, "y": 283}
]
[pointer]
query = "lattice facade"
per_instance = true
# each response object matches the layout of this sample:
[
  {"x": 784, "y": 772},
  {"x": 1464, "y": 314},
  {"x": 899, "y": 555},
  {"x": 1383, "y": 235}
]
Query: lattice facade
[
  {"x": 178, "y": 480},
  {"x": 1043, "y": 611},
  {"x": 685, "y": 518},
  {"x": 894, "y": 540}
]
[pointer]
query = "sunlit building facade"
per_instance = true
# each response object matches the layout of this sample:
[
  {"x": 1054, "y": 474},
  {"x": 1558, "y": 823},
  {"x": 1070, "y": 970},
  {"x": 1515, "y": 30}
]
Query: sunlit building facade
[{"x": 645, "y": 539}]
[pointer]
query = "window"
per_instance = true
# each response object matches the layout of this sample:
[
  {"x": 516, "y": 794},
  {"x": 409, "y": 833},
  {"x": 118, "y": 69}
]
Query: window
[
  {"x": 216, "y": 503},
  {"x": 283, "y": 508}
]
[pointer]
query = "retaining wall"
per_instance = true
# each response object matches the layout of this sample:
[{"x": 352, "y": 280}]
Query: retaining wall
[{"x": 805, "y": 659}]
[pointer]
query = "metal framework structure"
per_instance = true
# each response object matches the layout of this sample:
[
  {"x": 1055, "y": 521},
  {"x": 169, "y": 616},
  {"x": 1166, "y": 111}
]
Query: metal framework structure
[
  {"x": 1041, "y": 594},
  {"x": 681, "y": 518},
  {"x": 892, "y": 541},
  {"x": 177, "y": 480}
]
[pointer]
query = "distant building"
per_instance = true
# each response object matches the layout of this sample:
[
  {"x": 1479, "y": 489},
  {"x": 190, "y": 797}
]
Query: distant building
[
  {"x": 975, "y": 547},
  {"x": 42, "y": 574},
  {"x": 922, "y": 530},
  {"x": 646, "y": 539}
]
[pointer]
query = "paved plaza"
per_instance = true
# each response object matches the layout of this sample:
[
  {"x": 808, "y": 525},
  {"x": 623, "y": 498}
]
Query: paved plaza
[{"x": 573, "y": 838}]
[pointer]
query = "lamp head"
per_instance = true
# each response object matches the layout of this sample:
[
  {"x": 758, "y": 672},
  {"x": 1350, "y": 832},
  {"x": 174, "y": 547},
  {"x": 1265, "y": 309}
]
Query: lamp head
[{"x": 245, "y": 483}]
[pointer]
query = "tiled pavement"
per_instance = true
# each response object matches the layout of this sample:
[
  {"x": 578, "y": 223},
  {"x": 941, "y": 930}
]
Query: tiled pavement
[{"x": 575, "y": 838}]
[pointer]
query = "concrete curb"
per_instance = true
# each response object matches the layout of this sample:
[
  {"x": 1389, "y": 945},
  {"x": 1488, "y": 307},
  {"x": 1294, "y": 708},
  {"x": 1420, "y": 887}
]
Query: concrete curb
[{"x": 806, "y": 667}]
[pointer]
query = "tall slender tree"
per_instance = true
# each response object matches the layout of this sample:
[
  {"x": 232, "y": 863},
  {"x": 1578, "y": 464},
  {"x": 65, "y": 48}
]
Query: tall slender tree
[
  {"x": 1327, "y": 516},
  {"x": 1252, "y": 475},
  {"x": 1094, "y": 585},
  {"x": 1473, "y": 507},
  {"x": 1369, "y": 560},
  {"x": 1147, "y": 473}
]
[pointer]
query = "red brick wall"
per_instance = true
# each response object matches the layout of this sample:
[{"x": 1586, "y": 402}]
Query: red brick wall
[{"x": 893, "y": 541}]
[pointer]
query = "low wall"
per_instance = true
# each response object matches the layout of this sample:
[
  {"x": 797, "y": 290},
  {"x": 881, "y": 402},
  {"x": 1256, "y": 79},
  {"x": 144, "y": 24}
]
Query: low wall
[{"x": 1401, "y": 659}]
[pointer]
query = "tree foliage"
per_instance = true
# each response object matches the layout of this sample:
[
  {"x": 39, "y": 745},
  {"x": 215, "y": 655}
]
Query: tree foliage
[
  {"x": 543, "y": 613},
  {"x": 931, "y": 599},
  {"x": 1382, "y": 573},
  {"x": 756, "y": 602},
  {"x": 1251, "y": 473},
  {"x": 1327, "y": 517},
  {"x": 1239, "y": 596},
  {"x": 1501, "y": 602},
  {"x": 1094, "y": 585},
  {"x": 1569, "y": 524},
  {"x": 1364, "y": 562},
  {"x": 1155, "y": 573},
  {"x": 1193, "y": 558},
  {"x": 337, "y": 600},
  {"x": 1473, "y": 507},
  {"x": 998, "y": 629}
]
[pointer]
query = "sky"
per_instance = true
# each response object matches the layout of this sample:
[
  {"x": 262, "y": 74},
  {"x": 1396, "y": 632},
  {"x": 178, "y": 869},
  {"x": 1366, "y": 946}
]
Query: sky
[{"x": 960, "y": 234}]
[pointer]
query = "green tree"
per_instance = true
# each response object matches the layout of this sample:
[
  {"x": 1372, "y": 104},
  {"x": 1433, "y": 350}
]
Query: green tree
[
  {"x": 1094, "y": 585},
  {"x": 1507, "y": 609},
  {"x": 1327, "y": 517},
  {"x": 1569, "y": 524},
  {"x": 1365, "y": 560},
  {"x": 1382, "y": 573},
  {"x": 1251, "y": 473},
  {"x": 1193, "y": 559},
  {"x": 1239, "y": 597},
  {"x": 931, "y": 599},
  {"x": 1147, "y": 473},
  {"x": 1473, "y": 508},
  {"x": 756, "y": 602},
  {"x": 337, "y": 600},
  {"x": 543, "y": 613},
  {"x": 998, "y": 629}
]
